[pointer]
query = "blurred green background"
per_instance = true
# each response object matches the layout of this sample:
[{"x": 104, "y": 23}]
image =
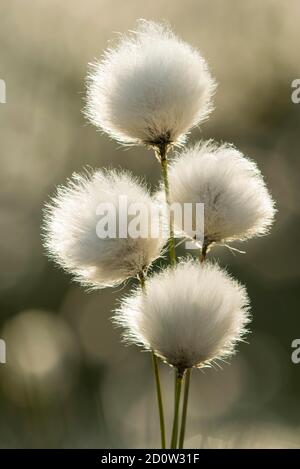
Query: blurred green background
[{"x": 68, "y": 381}]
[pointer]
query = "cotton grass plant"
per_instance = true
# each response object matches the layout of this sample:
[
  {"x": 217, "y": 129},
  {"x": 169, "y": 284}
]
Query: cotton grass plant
[
  {"x": 237, "y": 204},
  {"x": 71, "y": 229},
  {"x": 151, "y": 89}
]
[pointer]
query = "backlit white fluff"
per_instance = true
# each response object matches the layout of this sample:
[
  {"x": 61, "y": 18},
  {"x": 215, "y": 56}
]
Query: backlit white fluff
[
  {"x": 152, "y": 88},
  {"x": 237, "y": 204},
  {"x": 189, "y": 315},
  {"x": 70, "y": 229}
]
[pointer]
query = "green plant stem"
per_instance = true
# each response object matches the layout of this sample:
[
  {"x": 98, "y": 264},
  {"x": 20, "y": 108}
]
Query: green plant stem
[
  {"x": 204, "y": 249},
  {"x": 184, "y": 407},
  {"x": 159, "y": 401},
  {"x": 141, "y": 278},
  {"x": 162, "y": 156},
  {"x": 178, "y": 383}
]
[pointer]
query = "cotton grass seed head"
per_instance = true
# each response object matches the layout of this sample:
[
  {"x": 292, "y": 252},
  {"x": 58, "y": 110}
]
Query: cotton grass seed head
[
  {"x": 72, "y": 231},
  {"x": 237, "y": 204},
  {"x": 190, "y": 315},
  {"x": 152, "y": 88}
]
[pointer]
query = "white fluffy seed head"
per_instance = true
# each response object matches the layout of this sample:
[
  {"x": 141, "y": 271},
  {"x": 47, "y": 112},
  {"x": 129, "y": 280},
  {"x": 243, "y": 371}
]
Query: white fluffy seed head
[
  {"x": 151, "y": 89},
  {"x": 190, "y": 315},
  {"x": 70, "y": 229},
  {"x": 237, "y": 204}
]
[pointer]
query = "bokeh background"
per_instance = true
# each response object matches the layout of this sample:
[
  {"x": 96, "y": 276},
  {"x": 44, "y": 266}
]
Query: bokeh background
[{"x": 68, "y": 381}]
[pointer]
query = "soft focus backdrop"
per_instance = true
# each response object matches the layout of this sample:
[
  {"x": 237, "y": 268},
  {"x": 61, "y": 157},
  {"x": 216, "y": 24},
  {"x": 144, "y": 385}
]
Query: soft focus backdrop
[{"x": 68, "y": 381}]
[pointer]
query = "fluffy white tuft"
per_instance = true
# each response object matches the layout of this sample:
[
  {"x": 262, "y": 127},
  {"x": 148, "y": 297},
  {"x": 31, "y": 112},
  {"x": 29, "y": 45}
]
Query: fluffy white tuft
[
  {"x": 190, "y": 315},
  {"x": 237, "y": 204},
  {"x": 70, "y": 229},
  {"x": 152, "y": 88}
]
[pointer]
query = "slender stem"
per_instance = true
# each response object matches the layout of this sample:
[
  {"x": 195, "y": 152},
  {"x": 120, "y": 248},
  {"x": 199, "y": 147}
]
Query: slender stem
[
  {"x": 204, "y": 249},
  {"x": 184, "y": 407},
  {"x": 141, "y": 278},
  {"x": 162, "y": 156},
  {"x": 178, "y": 383},
  {"x": 159, "y": 401}
]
